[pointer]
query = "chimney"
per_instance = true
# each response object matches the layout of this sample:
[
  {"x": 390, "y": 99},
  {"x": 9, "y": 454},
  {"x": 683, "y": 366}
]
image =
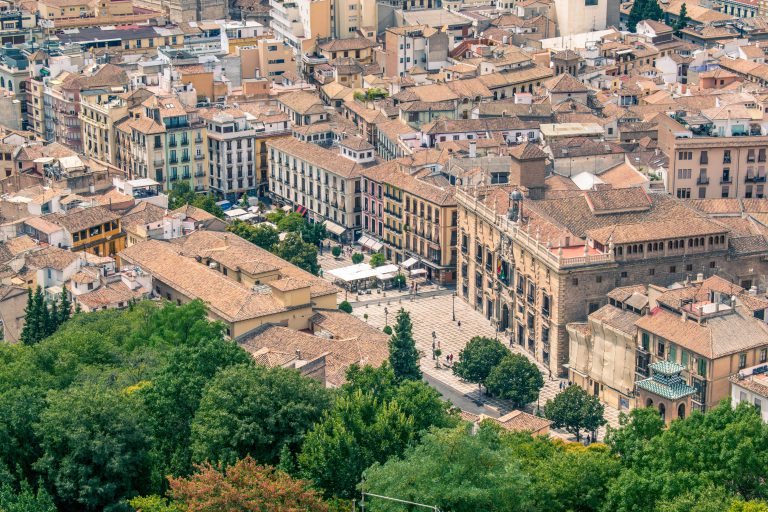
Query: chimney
[
  {"x": 753, "y": 291},
  {"x": 298, "y": 354},
  {"x": 472, "y": 149},
  {"x": 699, "y": 277},
  {"x": 684, "y": 316},
  {"x": 733, "y": 302}
]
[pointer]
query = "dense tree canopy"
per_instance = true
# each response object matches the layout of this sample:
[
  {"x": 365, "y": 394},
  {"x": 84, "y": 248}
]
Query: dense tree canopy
[
  {"x": 263, "y": 235},
  {"x": 295, "y": 250},
  {"x": 246, "y": 411},
  {"x": 114, "y": 402},
  {"x": 516, "y": 379},
  {"x": 478, "y": 358}
]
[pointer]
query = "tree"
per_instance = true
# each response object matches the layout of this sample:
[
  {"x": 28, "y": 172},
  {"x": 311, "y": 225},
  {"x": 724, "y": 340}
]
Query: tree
[
  {"x": 174, "y": 396},
  {"x": 295, "y": 250},
  {"x": 154, "y": 503},
  {"x": 387, "y": 330},
  {"x": 25, "y": 499},
  {"x": 255, "y": 411},
  {"x": 452, "y": 470},
  {"x": 95, "y": 446},
  {"x": 403, "y": 355},
  {"x": 516, "y": 379},
  {"x": 377, "y": 260},
  {"x": 643, "y": 10},
  {"x": 358, "y": 431},
  {"x": 263, "y": 235},
  {"x": 291, "y": 223},
  {"x": 30, "y": 333},
  {"x": 313, "y": 233},
  {"x": 725, "y": 448},
  {"x": 682, "y": 20},
  {"x": 182, "y": 194},
  {"x": 336, "y": 251},
  {"x": 345, "y": 307},
  {"x": 244, "y": 202},
  {"x": 357, "y": 258},
  {"x": 399, "y": 281},
  {"x": 478, "y": 358},
  {"x": 575, "y": 410},
  {"x": 65, "y": 306},
  {"x": 635, "y": 431},
  {"x": 244, "y": 486},
  {"x": 275, "y": 216}
]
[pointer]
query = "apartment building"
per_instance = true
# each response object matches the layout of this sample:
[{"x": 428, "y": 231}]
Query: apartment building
[
  {"x": 417, "y": 45},
  {"x": 322, "y": 183},
  {"x": 232, "y": 169},
  {"x": 243, "y": 285},
  {"x": 274, "y": 58},
  {"x": 533, "y": 266},
  {"x": 100, "y": 112},
  {"x": 300, "y": 22},
  {"x": 409, "y": 206},
  {"x": 61, "y": 102},
  {"x": 705, "y": 167},
  {"x": 164, "y": 141},
  {"x": 350, "y": 16}
]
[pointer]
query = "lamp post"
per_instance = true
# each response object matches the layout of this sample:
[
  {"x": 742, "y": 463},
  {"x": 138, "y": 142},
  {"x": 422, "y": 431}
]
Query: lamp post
[
  {"x": 386, "y": 314},
  {"x": 434, "y": 341}
]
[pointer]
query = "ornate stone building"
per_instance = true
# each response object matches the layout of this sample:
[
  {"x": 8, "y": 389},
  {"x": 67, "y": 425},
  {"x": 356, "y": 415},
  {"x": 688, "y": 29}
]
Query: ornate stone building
[{"x": 533, "y": 266}]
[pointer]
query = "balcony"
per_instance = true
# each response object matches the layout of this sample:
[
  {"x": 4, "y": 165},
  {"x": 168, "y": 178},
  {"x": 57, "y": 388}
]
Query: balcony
[
  {"x": 726, "y": 180},
  {"x": 754, "y": 179},
  {"x": 172, "y": 143},
  {"x": 159, "y": 162},
  {"x": 173, "y": 161},
  {"x": 199, "y": 174},
  {"x": 199, "y": 157},
  {"x": 702, "y": 180}
]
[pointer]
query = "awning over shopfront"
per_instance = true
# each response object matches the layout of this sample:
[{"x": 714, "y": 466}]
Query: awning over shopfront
[
  {"x": 418, "y": 272},
  {"x": 364, "y": 241},
  {"x": 409, "y": 263},
  {"x": 334, "y": 228}
]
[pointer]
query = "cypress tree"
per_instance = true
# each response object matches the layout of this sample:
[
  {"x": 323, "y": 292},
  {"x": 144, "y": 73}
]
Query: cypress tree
[
  {"x": 65, "y": 307},
  {"x": 403, "y": 355},
  {"x": 30, "y": 319}
]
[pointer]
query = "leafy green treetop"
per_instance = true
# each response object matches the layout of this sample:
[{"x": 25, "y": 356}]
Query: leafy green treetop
[
  {"x": 377, "y": 260},
  {"x": 478, "y": 358},
  {"x": 643, "y": 10},
  {"x": 516, "y": 379},
  {"x": 575, "y": 410},
  {"x": 295, "y": 250},
  {"x": 682, "y": 20}
]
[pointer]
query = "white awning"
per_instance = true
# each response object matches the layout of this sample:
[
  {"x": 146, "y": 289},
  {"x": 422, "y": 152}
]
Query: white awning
[
  {"x": 363, "y": 240},
  {"x": 334, "y": 228},
  {"x": 376, "y": 246},
  {"x": 418, "y": 272},
  {"x": 409, "y": 262},
  {"x": 286, "y": 208}
]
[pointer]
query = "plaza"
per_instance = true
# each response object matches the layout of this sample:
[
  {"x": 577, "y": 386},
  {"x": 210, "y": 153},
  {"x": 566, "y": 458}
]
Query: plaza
[{"x": 434, "y": 313}]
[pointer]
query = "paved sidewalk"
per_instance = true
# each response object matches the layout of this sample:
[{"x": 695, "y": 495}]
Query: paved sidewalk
[{"x": 434, "y": 314}]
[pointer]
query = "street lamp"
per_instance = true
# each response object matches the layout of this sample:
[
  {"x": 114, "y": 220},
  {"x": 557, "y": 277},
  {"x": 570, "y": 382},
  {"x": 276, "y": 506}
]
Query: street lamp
[
  {"x": 434, "y": 341},
  {"x": 453, "y": 305},
  {"x": 386, "y": 313}
]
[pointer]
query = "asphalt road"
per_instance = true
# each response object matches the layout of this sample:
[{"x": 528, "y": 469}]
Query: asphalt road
[{"x": 460, "y": 400}]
